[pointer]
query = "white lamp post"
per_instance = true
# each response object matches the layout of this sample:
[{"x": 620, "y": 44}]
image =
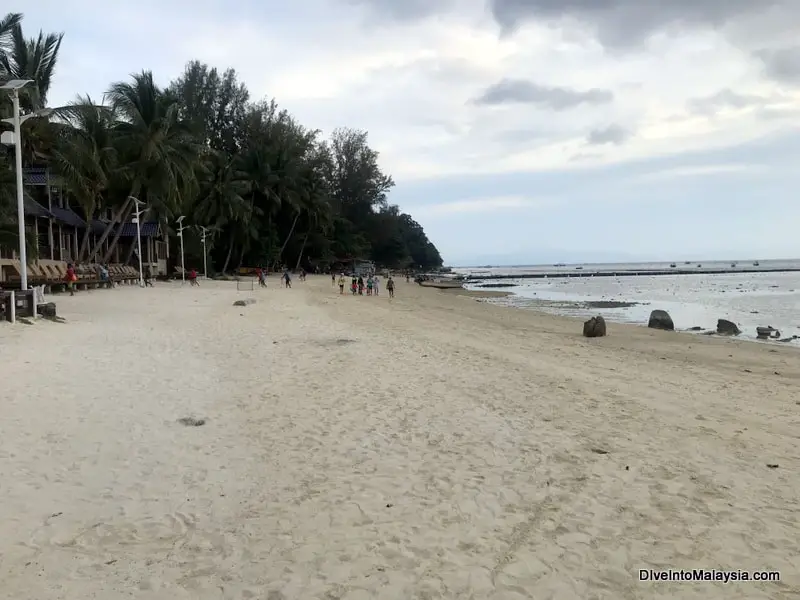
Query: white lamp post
[
  {"x": 136, "y": 219},
  {"x": 180, "y": 235},
  {"x": 14, "y": 86},
  {"x": 203, "y": 231}
]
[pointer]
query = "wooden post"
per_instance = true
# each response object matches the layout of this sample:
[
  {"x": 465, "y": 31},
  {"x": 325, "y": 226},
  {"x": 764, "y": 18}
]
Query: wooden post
[
  {"x": 50, "y": 220},
  {"x": 12, "y": 308}
]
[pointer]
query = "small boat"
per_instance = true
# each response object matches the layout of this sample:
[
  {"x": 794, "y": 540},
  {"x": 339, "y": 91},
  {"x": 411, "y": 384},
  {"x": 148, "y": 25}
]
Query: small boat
[
  {"x": 578, "y": 268},
  {"x": 699, "y": 265},
  {"x": 755, "y": 264},
  {"x": 733, "y": 265},
  {"x": 672, "y": 265}
]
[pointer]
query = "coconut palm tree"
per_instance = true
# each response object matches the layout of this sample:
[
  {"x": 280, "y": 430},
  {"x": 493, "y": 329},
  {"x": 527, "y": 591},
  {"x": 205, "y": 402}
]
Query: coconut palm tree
[
  {"x": 23, "y": 58},
  {"x": 85, "y": 156},
  {"x": 156, "y": 153},
  {"x": 7, "y": 25}
]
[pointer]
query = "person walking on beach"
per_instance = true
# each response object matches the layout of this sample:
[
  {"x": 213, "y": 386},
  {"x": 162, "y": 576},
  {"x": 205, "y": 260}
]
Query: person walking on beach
[
  {"x": 148, "y": 276},
  {"x": 354, "y": 286},
  {"x": 262, "y": 277},
  {"x": 192, "y": 278},
  {"x": 360, "y": 285},
  {"x": 70, "y": 277},
  {"x": 333, "y": 278},
  {"x": 369, "y": 285},
  {"x": 287, "y": 278},
  {"x": 341, "y": 283},
  {"x": 390, "y": 286},
  {"x": 375, "y": 284}
]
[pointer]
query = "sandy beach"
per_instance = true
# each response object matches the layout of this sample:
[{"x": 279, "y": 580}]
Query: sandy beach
[{"x": 429, "y": 447}]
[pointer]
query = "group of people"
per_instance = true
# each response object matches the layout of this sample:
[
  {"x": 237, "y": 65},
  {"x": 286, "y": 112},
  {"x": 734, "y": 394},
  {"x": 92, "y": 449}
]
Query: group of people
[
  {"x": 372, "y": 284},
  {"x": 286, "y": 278}
]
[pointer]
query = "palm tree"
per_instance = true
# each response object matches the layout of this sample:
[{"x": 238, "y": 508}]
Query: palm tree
[
  {"x": 33, "y": 58},
  {"x": 318, "y": 214},
  {"x": 7, "y": 25},
  {"x": 85, "y": 156},
  {"x": 156, "y": 153}
]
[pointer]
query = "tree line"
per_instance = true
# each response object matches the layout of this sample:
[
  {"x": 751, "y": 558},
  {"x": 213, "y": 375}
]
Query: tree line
[{"x": 269, "y": 190}]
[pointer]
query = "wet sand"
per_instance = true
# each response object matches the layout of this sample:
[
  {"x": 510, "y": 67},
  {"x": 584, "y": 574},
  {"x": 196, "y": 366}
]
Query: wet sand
[{"x": 432, "y": 446}]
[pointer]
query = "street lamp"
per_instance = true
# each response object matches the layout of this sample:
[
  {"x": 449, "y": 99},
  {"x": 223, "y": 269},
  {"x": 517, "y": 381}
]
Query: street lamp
[
  {"x": 136, "y": 219},
  {"x": 204, "y": 231},
  {"x": 13, "y": 87},
  {"x": 180, "y": 235}
]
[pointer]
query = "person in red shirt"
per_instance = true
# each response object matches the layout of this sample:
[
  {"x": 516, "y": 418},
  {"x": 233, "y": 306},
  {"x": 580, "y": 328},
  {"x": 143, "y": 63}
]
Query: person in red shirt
[
  {"x": 70, "y": 277},
  {"x": 193, "y": 278}
]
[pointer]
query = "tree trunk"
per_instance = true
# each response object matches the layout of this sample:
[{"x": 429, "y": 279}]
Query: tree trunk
[
  {"x": 85, "y": 243},
  {"x": 117, "y": 235},
  {"x": 228, "y": 258},
  {"x": 117, "y": 218},
  {"x": 288, "y": 237},
  {"x": 302, "y": 249},
  {"x": 88, "y": 211},
  {"x": 241, "y": 257},
  {"x": 130, "y": 252}
]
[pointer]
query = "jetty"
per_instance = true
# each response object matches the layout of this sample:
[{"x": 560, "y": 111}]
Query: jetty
[{"x": 629, "y": 273}]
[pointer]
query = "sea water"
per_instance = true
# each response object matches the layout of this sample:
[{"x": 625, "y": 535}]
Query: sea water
[{"x": 697, "y": 300}]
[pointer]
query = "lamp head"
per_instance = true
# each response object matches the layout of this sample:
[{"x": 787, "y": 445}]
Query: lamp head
[{"x": 15, "y": 84}]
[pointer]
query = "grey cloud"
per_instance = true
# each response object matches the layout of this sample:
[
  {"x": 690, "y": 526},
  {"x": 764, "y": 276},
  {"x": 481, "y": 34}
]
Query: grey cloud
[
  {"x": 519, "y": 91},
  {"x": 613, "y": 134},
  {"x": 628, "y": 23},
  {"x": 404, "y": 10},
  {"x": 710, "y": 105},
  {"x": 783, "y": 64}
]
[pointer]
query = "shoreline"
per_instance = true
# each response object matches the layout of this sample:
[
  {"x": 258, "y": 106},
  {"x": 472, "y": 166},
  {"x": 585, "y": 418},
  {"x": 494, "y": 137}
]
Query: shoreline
[
  {"x": 629, "y": 273},
  {"x": 360, "y": 447},
  {"x": 585, "y": 309}
]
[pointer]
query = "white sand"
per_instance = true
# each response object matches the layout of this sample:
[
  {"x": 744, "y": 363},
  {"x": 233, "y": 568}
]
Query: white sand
[{"x": 447, "y": 452}]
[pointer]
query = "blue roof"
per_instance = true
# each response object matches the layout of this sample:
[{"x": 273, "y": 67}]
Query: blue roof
[
  {"x": 148, "y": 230},
  {"x": 34, "y": 176},
  {"x": 34, "y": 209},
  {"x": 70, "y": 217},
  {"x": 98, "y": 226}
]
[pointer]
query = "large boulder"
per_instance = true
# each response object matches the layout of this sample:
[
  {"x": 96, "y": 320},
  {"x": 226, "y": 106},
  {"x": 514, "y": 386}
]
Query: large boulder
[
  {"x": 660, "y": 319},
  {"x": 594, "y": 327},
  {"x": 725, "y": 327},
  {"x": 48, "y": 310}
]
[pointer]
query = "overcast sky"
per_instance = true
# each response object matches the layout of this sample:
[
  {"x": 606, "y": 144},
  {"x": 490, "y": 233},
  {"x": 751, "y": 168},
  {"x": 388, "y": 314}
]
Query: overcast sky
[{"x": 518, "y": 131}]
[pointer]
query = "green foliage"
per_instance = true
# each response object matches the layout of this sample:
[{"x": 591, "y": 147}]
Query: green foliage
[{"x": 269, "y": 190}]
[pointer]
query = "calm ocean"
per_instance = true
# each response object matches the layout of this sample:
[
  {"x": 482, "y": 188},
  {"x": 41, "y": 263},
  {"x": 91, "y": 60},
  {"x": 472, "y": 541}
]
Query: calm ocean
[{"x": 695, "y": 300}]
